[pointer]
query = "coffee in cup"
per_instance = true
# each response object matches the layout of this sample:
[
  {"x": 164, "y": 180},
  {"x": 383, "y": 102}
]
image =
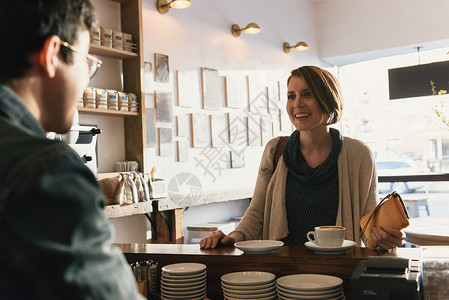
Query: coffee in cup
[{"x": 327, "y": 236}]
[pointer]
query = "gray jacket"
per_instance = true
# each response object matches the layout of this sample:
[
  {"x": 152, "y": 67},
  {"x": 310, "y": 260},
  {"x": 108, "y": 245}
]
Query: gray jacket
[{"x": 55, "y": 240}]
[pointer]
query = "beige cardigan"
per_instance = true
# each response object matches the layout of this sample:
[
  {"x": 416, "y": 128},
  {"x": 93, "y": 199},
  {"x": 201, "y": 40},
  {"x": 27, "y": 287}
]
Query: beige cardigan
[{"x": 266, "y": 217}]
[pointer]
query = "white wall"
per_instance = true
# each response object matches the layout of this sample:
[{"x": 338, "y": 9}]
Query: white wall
[
  {"x": 350, "y": 31},
  {"x": 200, "y": 36}
]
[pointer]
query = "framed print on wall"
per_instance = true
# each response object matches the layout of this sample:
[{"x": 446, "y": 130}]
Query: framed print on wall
[
  {"x": 237, "y": 129},
  {"x": 237, "y": 159},
  {"x": 183, "y": 150},
  {"x": 150, "y": 122},
  {"x": 188, "y": 88},
  {"x": 253, "y": 126},
  {"x": 148, "y": 76},
  {"x": 182, "y": 125},
  {"x": 200, "y": 134},
  {"x": 218, "y": 131},
  {"x": 266, "y": 130},
  {"x": 211, "y": 88},
  {"x": 236, "y": 87},
  {"x": 165, "y": 141},
  {"x": 258, "y": 100},
  {"x": 162, "y": 73},
  {"x": 164, "y": 107}
]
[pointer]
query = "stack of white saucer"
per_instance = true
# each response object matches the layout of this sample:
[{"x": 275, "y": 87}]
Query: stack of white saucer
[
  {"x": 183, "y": 281},
  {"x": 249, "y": 285},
  {"x": 310, "y": 286}
]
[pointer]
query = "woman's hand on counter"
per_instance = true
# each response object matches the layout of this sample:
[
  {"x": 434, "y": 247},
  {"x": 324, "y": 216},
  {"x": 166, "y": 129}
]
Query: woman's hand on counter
[
  {"x": 387, "y": 238},
  {"x": 215, "y": 239}
]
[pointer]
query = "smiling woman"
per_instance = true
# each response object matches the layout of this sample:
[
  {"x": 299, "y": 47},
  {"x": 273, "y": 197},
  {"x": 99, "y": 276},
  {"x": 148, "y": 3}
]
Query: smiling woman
[{"x": 312, "y": 184}]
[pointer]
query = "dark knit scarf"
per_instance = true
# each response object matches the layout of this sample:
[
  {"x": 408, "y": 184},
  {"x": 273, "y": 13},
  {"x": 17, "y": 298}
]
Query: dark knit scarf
[{"x": 311, "y": 194}]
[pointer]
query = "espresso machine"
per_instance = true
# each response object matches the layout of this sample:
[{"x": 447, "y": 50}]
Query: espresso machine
[
  {"x": 82, "y": 139},
  {"x": 85, "y": 145}
]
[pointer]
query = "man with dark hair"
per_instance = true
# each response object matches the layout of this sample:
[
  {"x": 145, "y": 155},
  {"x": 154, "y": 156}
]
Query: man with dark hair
[{"x": 55, "y": 240}]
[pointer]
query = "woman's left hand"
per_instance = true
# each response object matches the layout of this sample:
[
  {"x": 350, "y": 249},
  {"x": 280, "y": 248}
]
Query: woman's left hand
[{"x": 387, "y": 238}]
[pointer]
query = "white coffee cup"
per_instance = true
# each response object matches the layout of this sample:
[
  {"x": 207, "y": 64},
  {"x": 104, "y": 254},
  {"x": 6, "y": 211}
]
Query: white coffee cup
[{"x": 327, "y": 236}]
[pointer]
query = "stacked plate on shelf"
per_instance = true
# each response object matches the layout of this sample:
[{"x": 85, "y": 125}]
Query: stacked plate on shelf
[
  {"x": 185, "y": 281},
  {"x": 249, "y": 285},
  {"x": 310, "y": 286}
]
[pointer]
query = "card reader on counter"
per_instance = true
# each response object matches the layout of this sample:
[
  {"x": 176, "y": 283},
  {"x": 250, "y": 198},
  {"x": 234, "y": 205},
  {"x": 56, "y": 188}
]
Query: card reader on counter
[{"x": 387, "y": 278}]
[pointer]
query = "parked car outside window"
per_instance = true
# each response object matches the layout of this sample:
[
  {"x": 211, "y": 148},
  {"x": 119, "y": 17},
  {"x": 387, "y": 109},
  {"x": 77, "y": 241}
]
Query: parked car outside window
[{"x": 399, "y": 167}]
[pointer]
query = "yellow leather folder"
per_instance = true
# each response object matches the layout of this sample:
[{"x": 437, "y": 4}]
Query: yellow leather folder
[{"x": 390, "y": 212}]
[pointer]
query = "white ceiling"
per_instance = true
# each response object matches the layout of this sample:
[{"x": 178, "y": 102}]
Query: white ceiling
[{"x": 350, "y": 31}]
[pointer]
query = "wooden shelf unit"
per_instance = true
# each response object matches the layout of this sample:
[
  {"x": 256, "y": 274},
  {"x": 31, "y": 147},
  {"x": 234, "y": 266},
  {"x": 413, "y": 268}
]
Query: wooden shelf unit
[
  {"x": 132, "y": 62},
  {"x": 118, "y": 211},
  {"x": 111, "y": 52},
  {"x": 107, "y": 112}
]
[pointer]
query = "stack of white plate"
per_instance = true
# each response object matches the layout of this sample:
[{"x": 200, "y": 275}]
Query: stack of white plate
[
  {"x": 183, "y": 281},
  {"x": 310, "y": 286},
  {"x": 249, "y": 285}
]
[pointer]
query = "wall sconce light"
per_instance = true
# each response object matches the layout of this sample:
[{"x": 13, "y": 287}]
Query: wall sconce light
[
  {"x": 163, "y": 6},
  {"x": 250, "y": 28},
  {"x": 301, "y": 46}
]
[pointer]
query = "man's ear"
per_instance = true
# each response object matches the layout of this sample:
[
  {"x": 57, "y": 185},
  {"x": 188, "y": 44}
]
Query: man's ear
[{"x": 48, "y": 55}]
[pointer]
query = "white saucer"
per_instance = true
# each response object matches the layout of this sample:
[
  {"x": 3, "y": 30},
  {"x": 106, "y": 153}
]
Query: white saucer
[
  {"x": 347, "y": 245},
  {"x": 269, "y": 285},
  {"x": 274, "y": 297},
  {"x": 167, "y": 284},
  {"x": 249, "y": 291},
  {"x": 189, "y": 276},
  {"x": 309, "y": 282},
  {"x": 184, "y": 293},
  {"x": 248, "y": 278},
  {"x": 250, "y": 296},
  {"x": 310, "y": 297},
  {"x": 187, "y": 280},
  {"x": 280, "y": 297},
  {"x": 293, "y": 293},
  {"x": 184, "y": 268},
  {"x": 200, "y": 295},
  {"x": 169, "y": 289},
  {"x": 259, "y": 246}
]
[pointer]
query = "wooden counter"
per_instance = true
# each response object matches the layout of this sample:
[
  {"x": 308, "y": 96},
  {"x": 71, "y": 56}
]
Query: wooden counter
[{"x": 285, "y": 261}]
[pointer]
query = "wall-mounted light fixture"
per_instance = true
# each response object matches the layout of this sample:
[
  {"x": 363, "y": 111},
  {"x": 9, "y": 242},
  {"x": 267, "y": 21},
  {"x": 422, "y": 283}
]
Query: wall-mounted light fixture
[
  {"x": 163, "y": 6},
  {"x": 301, "y": 46},
  {"x": 250, "y": 28}
]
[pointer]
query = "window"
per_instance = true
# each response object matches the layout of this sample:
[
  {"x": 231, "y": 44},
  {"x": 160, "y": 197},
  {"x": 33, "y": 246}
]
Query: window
[
  {"x": 395, "y": 129},
  {"x": 405, "y": 135},
  {"x": 445, "y": 148}
]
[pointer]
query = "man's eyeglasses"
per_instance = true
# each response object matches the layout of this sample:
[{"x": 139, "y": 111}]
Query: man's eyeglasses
[{"x": 93, "y": 62}]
